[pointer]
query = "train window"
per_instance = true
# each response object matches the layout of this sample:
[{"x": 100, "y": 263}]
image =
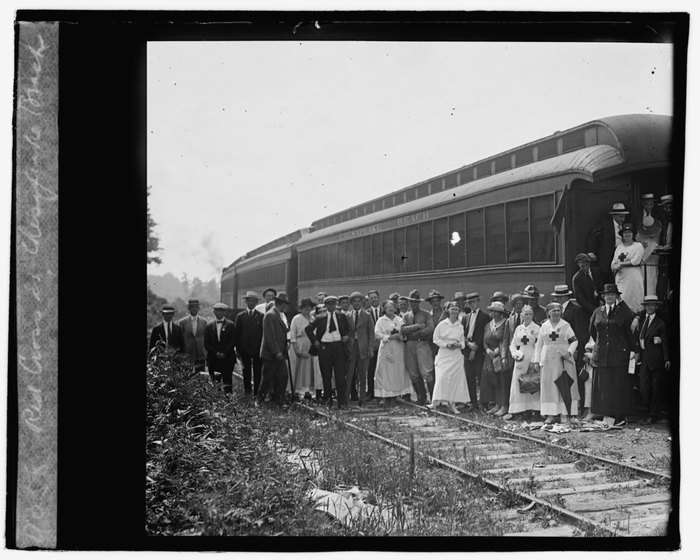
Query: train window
[
  {"x": 518, "y": 231},
  {"x": 423, "y": 190},
  {"x": 303, "y": 265},
  {"x": 483, "y": 170},
  {"x": 502, "y": 163},
  {"x": 389, "y": 202},
  {"x": 376, "y": 254},
  {"x": 323, "y": 264},
  {"x": 574, "y": 141},
  {"x": 541, "y": 235},
  {"x": 388, "y": 252},
  {"x": 466, "y": 176},
  {"x": 342, "y": 260},
  {"x": 425, "y": 245},
  {"x": 457, "y": 241},
  {"x": 441, "y": 240},
  {"x": 366, "y": 256},
  {"x": 495, "y": 235},
  {"x": 523, "y": 157},
  {"x": 357, "y": 256},
  {"x": 410, "y": 194},
  {"x": 411, "y": 249},
  {"x": 450, "y": 181},
  {"x": 547, "y": 150},
  {"x": 475, "y": 238},
  {"x": 399, "y": 249}
]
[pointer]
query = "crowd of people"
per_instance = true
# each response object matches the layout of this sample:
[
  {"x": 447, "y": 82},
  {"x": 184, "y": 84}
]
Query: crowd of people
[{"x": 516, "y": 359}]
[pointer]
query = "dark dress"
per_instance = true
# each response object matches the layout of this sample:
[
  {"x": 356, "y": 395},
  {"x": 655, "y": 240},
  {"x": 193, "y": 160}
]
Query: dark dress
[
  {"x": 490, "y": 380},
  {"x": 612, "y": 385}
]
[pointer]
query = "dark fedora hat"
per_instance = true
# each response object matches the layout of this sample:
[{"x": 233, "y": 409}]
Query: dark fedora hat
[
  {"x": 432, "y": 294},
  {"x": 281, "y": 297},
  {"x": 414, "y": 295},
  {"x": 306, "y": 301},
  {"x": 611, "y": 289}
]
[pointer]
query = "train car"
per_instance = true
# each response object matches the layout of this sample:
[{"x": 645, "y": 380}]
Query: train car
[
  {"x": 517, "y": 218},
  {"x": 273, "y": 265}
]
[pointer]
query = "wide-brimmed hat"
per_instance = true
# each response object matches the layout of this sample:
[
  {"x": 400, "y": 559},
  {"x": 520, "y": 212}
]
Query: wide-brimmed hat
[
  {"x": 251, "y": 295},
  {"x": 652, "y": 299},
  {"x": 516, "y": 297},
  {"x": 281, "y": 297},
  {"x": 611, "y": 289},
  {"x": 618, "y": 209},
  {"x": 306, "y": 301},
  {"x": 561, "y": 290},
  {"x": 328, "y": 299},
  {"x": 167, "y": 308},
  {"x": 472, "y": 296},
  {"x": 432, "y": 294},
  {"x": 531, "y": 291},
  {"x": 192, "y": 302},
  {"x": 395, "y": 295},
  {"x": 497, "y": 306},
  {"x": 356, "y": 295},
  {"x": 499, "y": 296},
  {"x": 222, "y": 306},
  {"x": 414, "y": 295},
  {"x": 583, "y": 257},
  {"x": 552, "y": 305},
  {"x": 459, "y": 295},
  {"x": 666, "y": 199}
]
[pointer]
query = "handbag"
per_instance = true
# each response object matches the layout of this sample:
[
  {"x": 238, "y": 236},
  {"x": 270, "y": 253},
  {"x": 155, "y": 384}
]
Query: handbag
[
  {"x": 583, "y": 375},
  {"x": 530, "y": 381},
  {"x": 497, "y": 364}
]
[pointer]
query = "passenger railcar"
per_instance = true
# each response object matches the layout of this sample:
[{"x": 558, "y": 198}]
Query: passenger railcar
[{"x": 517, "y": 218}]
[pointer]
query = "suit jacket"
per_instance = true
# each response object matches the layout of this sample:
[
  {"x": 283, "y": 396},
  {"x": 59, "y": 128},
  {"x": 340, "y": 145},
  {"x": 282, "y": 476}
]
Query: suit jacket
[
  {"x": 653, "y": 355},
  {"x": 575, "y": 315},
  {"x": 274, "y": 339},
  {"x": 224, "y": 345},
  {"x": 177, "y": 341},
  {"x": 482, "y": 320},
  {"x": 508, "y": 338},
  {"x": 601, "y": 241},
  {"x": 363, "y": 332},
  {"x": 194, "y": 340},
  {"x": 585, "y": 289},
  {"x": 613, "y": 339},
  {"x": 317, "y": 328},
  {"x": 249, "y": 332}
]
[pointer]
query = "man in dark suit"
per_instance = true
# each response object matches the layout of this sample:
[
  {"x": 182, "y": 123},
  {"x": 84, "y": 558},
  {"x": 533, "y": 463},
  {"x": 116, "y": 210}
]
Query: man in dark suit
[
  {"x": 328, "y": 333},
  {"x": 474, "y": 323},
  {"x": 167, "y": 332},
  {"x": 193, "y": 332},
  {"x": 653, "y": 346},
  {"x": 360, "y": 347},
  {"x": 219, "y": 341},
  {"x": 375, "y": 312},
  {"x": 249, "y": 333},
  {"x": 603, "y": 238},
  {"x": 273, "y": 351},
  {"x": 587, "y": 286}
]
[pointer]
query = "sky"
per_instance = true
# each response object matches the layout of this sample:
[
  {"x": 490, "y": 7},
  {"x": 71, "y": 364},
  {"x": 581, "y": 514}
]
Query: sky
[{"x": 249, "y": 141}]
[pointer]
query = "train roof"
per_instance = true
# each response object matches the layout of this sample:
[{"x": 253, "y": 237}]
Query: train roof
[
  {"x": 640, "y": 139},
  {"x": 581, "y": 164},
  {"x": 283, "y": 242}
]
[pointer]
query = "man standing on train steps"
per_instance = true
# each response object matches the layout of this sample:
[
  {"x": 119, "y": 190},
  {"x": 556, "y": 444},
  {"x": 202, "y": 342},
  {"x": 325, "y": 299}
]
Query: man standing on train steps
[
  {"x": 273, "y": 351},
  {"x": 193, "y": 332},
  {"x": 361, "y": 347},
  {"x": 602, "y": 239},
  {"x": 418, "y": 330},
  {"x": 474, "y": 323},
  {"x": 219, "y": 340},
  {"x": 375, "y": 311},
  {"x": 328, "y": 333},
  {"x": 249, "y": 332}
]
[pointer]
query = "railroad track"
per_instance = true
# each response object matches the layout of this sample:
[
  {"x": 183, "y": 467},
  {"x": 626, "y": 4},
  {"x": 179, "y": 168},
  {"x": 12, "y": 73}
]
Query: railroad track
[{"x": 596, "y": 494}]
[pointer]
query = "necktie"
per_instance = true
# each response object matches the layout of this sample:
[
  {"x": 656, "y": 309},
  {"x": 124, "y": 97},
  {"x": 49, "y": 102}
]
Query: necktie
[
  {"x": 331, "y": 327},
  {"x": 517, "y": 320},
  {"x": 167, "y": 333},
  {"x": 357, "y": 316},
  {"x": 643, "y": 333}
]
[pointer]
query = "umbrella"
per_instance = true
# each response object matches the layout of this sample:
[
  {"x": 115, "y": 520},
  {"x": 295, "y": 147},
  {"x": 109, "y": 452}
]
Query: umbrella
[{"x": 564, "y": 383}]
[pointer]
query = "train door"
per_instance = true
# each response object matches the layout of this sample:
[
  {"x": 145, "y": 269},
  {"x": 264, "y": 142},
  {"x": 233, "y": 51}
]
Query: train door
[{"x": 588, "y": 204}]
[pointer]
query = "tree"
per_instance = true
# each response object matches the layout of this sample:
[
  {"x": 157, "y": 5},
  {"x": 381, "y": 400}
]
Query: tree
[{"x": 151, "y": 240}]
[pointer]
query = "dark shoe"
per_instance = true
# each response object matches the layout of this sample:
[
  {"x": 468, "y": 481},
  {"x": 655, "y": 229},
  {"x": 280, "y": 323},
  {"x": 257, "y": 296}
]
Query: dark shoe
[
  {"x": 619, "y": 422},
  {"x": 359, "y": 403},
  {"x": 307, "y": 396}
]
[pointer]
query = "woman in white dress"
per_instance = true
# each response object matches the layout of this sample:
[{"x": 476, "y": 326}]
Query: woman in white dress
[
  {"x": 554, "y": 354},
  {"x": 626, "y": 266},
  {"x": 450, "y": 379},
  {"x": 522, "y": 348},
  {"x": 390, "y": 377},
  {"x": 649, "y": 236},
  {"x": 300, "y": 360}
]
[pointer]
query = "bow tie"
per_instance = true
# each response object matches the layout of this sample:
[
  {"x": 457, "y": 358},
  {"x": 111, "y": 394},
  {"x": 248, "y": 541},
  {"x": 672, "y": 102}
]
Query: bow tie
[{"x": 218, "y": 322}]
